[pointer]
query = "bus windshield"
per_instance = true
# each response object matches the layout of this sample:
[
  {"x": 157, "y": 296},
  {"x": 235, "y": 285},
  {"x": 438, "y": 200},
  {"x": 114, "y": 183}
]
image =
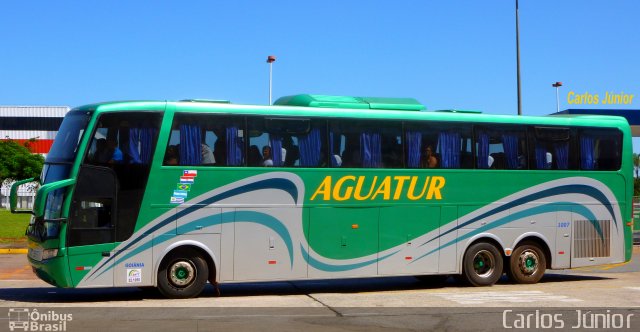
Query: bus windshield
[{"x": 65, "y": 146}]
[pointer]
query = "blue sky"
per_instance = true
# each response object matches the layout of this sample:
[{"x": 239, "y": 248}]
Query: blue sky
[{"x": 447, "y": 54}]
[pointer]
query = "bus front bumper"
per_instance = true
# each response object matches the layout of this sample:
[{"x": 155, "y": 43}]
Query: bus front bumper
[{"x": 54, "y": 271}]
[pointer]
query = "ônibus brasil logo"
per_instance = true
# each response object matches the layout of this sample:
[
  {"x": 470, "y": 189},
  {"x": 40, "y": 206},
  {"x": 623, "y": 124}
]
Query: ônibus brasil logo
[{"x": 24, "y": 319}]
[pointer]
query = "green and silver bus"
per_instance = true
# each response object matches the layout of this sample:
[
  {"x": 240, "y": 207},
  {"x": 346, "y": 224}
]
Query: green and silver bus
[{"x": 177, "y": 194}]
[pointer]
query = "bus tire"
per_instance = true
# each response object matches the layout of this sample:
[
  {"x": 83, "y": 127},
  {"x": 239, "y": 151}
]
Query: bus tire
[
  {"x": 527, "y": 264},
  {"x": 482, "y": 264},
  {"x": 183, "y": 274}
]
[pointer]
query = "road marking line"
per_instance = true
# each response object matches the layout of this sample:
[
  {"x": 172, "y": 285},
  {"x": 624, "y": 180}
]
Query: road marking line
[
  {"x": 611, "y": 266},
  {"x": 510, "y": 297},
  {"x": 13, "y": 251},
  {"x": 265, "y": 315},
  {"x": 634, "y": 288},
  {"x": 14, "y": 280}
]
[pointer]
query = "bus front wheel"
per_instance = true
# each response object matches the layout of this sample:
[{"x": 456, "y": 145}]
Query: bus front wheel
[
  {"x": 183, "y": 274},
  {"x": 527, "y": 264},
  {"x": 482, "y": 264}
]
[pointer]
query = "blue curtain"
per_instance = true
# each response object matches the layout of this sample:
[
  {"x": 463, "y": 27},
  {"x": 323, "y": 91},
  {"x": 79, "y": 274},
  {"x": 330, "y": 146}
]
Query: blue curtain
[
  {"x": 276, "y": 149},
  {"x": 234, "y": 147},
  {"x": 541, "y": 157},
  {"x": 133, "y": 146},
  {"x": 371, "y": 149},
  {"x": 190, "y": 144},
  {"x": 147, "y": 140},
  {"x": 414, "y": 149},
  {"x": 510, "y": 145},
  {"x": 140, "y": 148},
  {"x": 483, "y": 150},
  {"x": 562, "y": 155},
  {"x": 587, "y": 149},
  {"x": 310, "y": 146},
  {"x": 449, "y": 143}
]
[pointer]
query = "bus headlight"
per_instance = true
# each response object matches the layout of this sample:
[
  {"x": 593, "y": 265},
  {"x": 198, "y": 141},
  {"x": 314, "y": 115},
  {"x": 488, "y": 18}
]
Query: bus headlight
[{"x": 49, "y": 253}]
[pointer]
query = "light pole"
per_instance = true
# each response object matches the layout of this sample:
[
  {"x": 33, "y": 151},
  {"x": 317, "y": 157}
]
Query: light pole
[
  {"x": 270, "y": 60},
  {"x": 557, "y": 85},
  {"x": 518, "y": 60}
]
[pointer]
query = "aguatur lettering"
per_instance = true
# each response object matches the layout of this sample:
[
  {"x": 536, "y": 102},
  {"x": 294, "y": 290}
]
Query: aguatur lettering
[{"x": 362, "y": 188}]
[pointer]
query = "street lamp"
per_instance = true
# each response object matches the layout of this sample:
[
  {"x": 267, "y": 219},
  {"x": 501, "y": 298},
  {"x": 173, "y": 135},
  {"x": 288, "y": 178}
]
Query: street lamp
[
  {"x": 270, "y": 60},
  {"x": 557, "y": 85},
  {"x": 518, "y": 60}
]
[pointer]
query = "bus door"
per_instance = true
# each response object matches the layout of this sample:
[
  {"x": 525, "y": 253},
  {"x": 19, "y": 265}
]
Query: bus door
[
  {"x": 108, "y": 196},
  {"x": 92, "y": 226}
]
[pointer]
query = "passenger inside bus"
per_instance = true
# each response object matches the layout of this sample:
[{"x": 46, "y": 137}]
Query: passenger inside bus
[
  {"x": 266, "y": 156},
  {"x": 207, "y": 155},
  {"x": 291, "y": 152},
  {"x": 255, "y": 158},
  {"x": 102, "y": 154},
  {"x": 171, "y": 156},
  {"x": 429, "y": 159},
  {"x": 220, "y": 147},
  {"x": 117, "y": 157}
]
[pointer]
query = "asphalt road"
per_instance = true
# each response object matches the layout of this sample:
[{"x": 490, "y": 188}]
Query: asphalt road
[{"x": 371, "y": 304}]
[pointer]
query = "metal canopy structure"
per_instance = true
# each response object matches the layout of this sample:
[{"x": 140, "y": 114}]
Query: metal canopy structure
[{"x": 632, "y": 116}]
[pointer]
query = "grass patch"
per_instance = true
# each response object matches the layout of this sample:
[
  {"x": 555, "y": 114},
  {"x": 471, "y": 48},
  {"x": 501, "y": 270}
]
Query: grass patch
[{"x": 13, "y": 226}]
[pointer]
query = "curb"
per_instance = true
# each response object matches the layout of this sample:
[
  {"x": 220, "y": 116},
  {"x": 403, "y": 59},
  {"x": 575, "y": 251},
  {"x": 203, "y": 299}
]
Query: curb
[{"x": 13, "y": 251}]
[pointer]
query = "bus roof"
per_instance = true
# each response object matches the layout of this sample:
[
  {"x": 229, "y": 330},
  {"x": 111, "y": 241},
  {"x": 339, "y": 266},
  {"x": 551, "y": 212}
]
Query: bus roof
[
  {"x": 307, "y": 100},
  {"x": 354, "y": 107}
]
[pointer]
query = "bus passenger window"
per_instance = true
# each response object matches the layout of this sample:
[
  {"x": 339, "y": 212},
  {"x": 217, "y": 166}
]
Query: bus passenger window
[
  {"x": 600, "y": 149},
  {"x": 206, "y": 140},
  {"x": 365, "y": 144},
  {"x": 438, "y": 145},
  {"x": 552, "y": 148},
  {"x": 286, "y": 142},
  {"x": 500, "y": 147}
]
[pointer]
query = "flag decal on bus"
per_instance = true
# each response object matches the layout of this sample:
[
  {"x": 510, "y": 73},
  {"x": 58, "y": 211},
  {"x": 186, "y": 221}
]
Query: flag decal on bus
[
  {"x": 190, "y": 173},
  {"x": 186, "y": 179},
  {"x": 180, "y": 193}
]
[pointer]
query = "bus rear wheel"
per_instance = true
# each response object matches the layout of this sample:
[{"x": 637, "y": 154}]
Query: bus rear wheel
[
  {"x": 183, "y": 274},
  {"x": 482, "y": 264},
  {"x": 527, "y": 264}
]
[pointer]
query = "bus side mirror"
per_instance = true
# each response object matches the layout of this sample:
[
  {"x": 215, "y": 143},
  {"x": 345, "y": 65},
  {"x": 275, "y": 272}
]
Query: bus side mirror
[
  {"x": 13, "y": 196},
  {"x": 40, "y": 201}
]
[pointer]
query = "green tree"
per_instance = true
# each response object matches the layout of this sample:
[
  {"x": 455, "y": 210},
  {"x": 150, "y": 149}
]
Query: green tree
[
  {"x": 636, "y": 163},
  {"x": 17, "y": 162}
]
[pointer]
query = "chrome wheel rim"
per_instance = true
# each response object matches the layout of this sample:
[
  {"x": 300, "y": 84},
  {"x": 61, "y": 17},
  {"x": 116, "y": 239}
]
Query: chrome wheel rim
[
  {"x": 483, "y": 263},
  {"x": 528, "y": 262},
  {"x": 182, "y": 273}
]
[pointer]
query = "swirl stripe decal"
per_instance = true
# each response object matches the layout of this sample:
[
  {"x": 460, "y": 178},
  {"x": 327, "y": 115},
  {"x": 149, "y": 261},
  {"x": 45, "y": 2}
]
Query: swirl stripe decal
[
  {"x": 227, "y": 217},
  {"x": 552, "y": 207},
  {"x": 561, "y": 190},
  {"x": 273, "y": 183}
]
